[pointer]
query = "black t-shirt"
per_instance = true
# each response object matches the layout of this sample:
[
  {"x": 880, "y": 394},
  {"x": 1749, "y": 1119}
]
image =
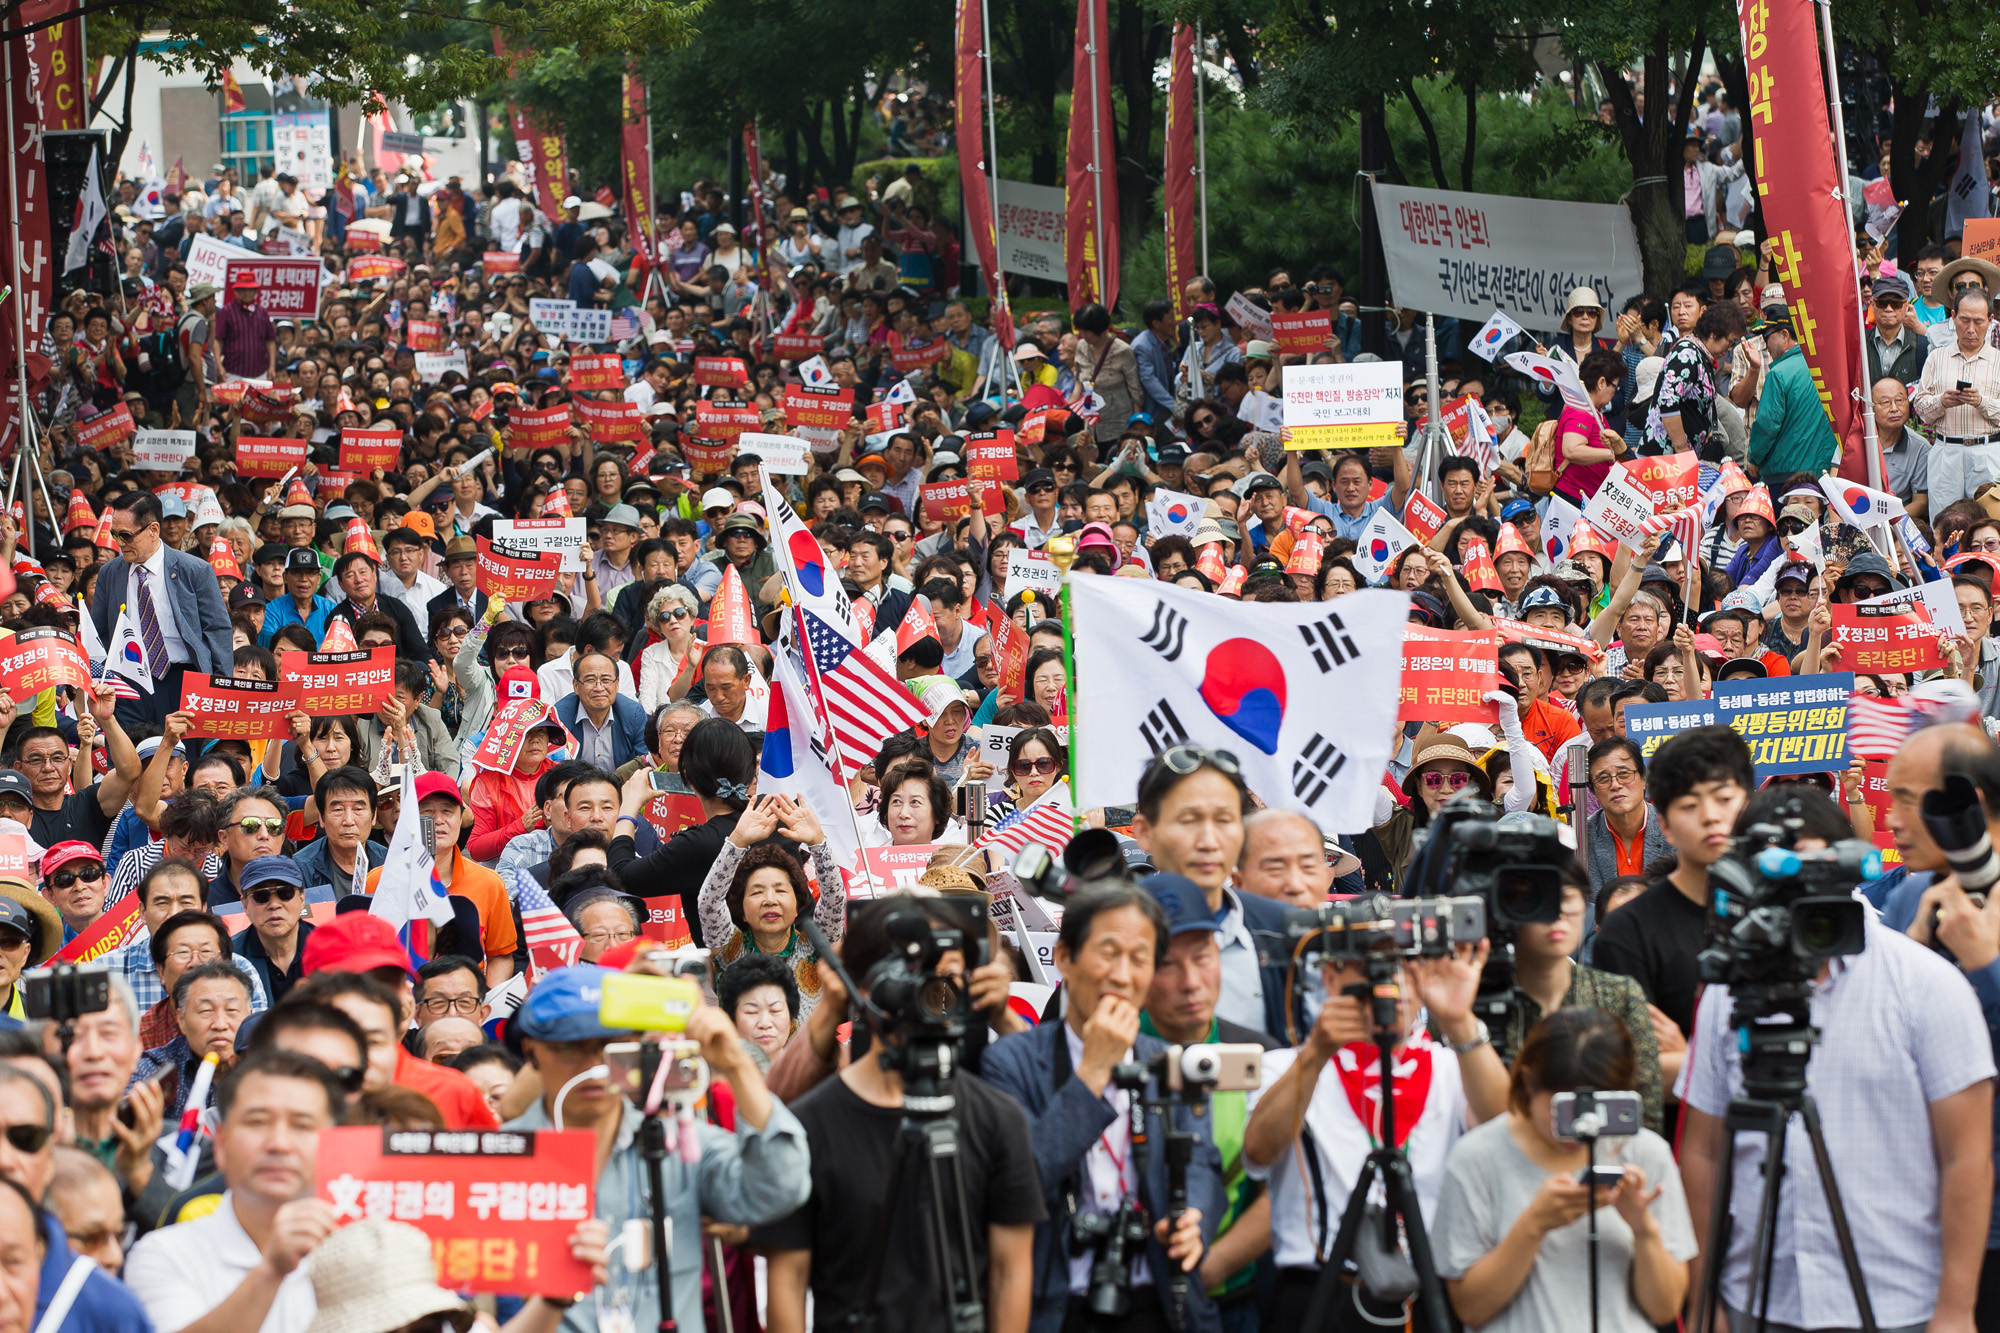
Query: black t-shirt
[
  {"x": 854, "y": 1149},
  {"x": 1654, "y": 939},
  {"x": 80, "y": 819}
]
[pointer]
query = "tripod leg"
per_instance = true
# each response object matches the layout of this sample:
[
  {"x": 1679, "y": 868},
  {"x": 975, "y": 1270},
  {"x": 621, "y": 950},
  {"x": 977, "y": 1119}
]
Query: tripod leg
[
  {"x": 1759, "y": 1290},
  {"x": 1831, "y": 1188},
  {"x": 1335, "y": 1266},
  {"x": 1403, "y": 1204},
  {"x": 1719, "y": 1228}
]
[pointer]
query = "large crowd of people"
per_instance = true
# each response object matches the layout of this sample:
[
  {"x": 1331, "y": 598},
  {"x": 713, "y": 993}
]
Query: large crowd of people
[{"x": 236, "y": 877}]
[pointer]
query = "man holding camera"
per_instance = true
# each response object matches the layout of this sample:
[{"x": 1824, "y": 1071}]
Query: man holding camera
[
  {"x": 861, "y": 1243},
  {"x": 1440, "y": 1091},
  {"x": 1107, "y": 1244}
]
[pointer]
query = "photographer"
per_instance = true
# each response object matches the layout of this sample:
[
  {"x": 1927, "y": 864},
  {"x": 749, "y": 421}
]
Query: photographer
[
  {"x": 1904, "y": 1081},
  {"x": 1440, "y": 1092},
  {"x": 1512, "y": 1240},
  {"x": 867, "y": 1202},
  {"x": 1112, "y": 939}
]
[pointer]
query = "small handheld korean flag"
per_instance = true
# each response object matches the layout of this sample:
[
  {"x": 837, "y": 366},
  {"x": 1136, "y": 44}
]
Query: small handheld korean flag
[
  {"x": 1381, "y": 542},
  {"x": 1174, "y": 514},
  {"x": 128, "y": 652},
  {"x": 1495, "y": 334},
  {"x": 1559, "y": 527},
  {"x": 1558, "y": 375},
  {"x": 815, "y": 373},
  {"x": 407, "y": 890},
  {"x": 1864, "y": 508}
]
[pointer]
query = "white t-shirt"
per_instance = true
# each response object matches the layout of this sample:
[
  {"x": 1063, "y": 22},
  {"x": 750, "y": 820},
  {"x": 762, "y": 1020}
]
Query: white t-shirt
[
  {"x": 180, "y": 1273},
  {"x": 506, "y": 223}
]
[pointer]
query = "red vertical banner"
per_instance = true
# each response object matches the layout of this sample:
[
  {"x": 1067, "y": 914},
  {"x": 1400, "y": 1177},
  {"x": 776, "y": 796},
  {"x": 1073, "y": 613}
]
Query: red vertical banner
[
  {"x": 970, "y": 99},
  {"x": 1802, "y": 180},
  {"x": 636, "y": 161},
  {"x": 45, "y": 71},
  {"x": 772, "y": 277},
  {"x": 537, "y": 144},
  {"x": 55, "y": 54},
  {"x": 1180, "y": 182},
  {"x": 1091, "y": 178}
]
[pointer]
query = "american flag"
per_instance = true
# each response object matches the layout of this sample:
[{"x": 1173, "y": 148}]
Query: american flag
[
  {"x": 552, "y": 940},
  {"x": 865, "y": 703},
  {"x": 1048, "y": 821},
  {"x": 1685, "y": 526},
  {"x": 1877, "y": 727},
  {"x": 623, "y": 327}
]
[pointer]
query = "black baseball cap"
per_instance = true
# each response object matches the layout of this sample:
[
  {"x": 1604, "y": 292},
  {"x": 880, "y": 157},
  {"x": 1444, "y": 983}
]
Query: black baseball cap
[
  {"x": 1037, "y": 476},
  {"x": 299, "y": 560},
  {"x": 877, "y": 500},
  {"x": 1261, "y": 481}
]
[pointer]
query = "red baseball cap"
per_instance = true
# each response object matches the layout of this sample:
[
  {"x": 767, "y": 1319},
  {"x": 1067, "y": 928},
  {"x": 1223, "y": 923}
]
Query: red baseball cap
[
  {"x": 435, "y": 783},
  {"x": 60, "y": 855},
  {"x": 355, "y": 942}
]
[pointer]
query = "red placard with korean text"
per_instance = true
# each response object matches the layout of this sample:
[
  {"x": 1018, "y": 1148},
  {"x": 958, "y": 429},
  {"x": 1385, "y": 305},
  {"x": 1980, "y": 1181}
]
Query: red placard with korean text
[
  {"x": 1885, "y": 638},
  {"x": 827, "y": 409},
  {"x": 1671, "y": 479},
  {"x": 516, "y": 578},
  {"x": 498, "y": 1205},
  {"x": 989, "y": 455},
  {"x": 38, "y": 659},
  {"x": 1515, "y": 631},
  {"x": 1422, "y": 517},
  {"x": 707, "y": 457},
  {"x": 364, "y": 450},
  {"x": 119, "y": 926},
  {"x": 797, "y": 346},
  {"x": 359, "y": 239},
  {"x": 106, "y": 428},
  {"x": 1034, "y": 425},
  {"x": 333, "y": 684},
  {"x": 236, "y": 708},
  {"x": 953, "y": 499},
  {"x": 500, "y": 261},
  {"x": 588, "y": 374},
  {"x": 1302, "y": 334},
  {"x": 261, "y": 456},
  {"x": 286, "y": 288},
  {"x": 610, "y": 421},
  {"x": 917, "y": 355},
  {"x": 669, "y": 812},
  {"x": 532, "y": 428},
  {"x": 723, "y": 421},
  {"x": 723, "y": 372},
  {"x": 1445, "y": 674},
  {"x": 892, "y": 870},
  {"x": 426, "y": 336},
  {"x": 364, "y": 268}
]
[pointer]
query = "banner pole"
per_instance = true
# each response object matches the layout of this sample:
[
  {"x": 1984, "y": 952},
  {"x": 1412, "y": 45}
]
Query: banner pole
[
  {"x": 1096, "y": 158},
  {"x": 1201, "y": 143},
  {"x": 996, "y": 281},
  {"x": 1062, "y": 552},
  {"x": 1871, "y": 442}
]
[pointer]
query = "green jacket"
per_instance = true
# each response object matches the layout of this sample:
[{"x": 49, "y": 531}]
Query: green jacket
[{"x": 1792, "y": 432}]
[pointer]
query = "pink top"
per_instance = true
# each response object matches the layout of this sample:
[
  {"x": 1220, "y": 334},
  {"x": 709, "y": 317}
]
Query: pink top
[{"x": 1580, "y": 480}]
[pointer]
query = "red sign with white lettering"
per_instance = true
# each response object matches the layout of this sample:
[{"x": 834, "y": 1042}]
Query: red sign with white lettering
[{"x": 260, "y": 456}]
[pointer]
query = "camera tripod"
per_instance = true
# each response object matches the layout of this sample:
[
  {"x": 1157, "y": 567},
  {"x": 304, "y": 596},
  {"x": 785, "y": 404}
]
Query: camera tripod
[
  {"x": 1774, "y": 1084},
  {"x": 1383, "y": 992}
]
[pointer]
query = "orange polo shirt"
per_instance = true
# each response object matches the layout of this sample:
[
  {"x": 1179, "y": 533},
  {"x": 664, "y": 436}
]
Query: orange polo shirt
[
  {"x": 1547, "y": 727},
  {"x": 1632, "y": 858},
  {"x": 482, "y": 887}
]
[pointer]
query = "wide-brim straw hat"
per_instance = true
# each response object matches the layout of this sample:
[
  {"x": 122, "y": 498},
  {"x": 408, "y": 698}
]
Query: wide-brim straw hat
[{"x": 375, "y": 1276}]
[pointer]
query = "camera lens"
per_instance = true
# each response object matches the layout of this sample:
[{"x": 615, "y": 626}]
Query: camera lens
[
  {"x": 1519, "y": 896},
  {"x": 1819, "y": 930}
]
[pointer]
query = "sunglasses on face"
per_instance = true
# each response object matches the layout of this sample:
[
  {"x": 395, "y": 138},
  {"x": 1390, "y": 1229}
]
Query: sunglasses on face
[
  {"x": 263, "y": 897},
  {"x": 64, "y": 879},
  {"x": 509, "y": 654},
  {"x": 251, "y": 826},
  {"x": 1021, "y": 768},
  {"x": 11, "y": 939},
  {"x": 1440, "y": 781},
  {"x": 27, "y": 1139}
]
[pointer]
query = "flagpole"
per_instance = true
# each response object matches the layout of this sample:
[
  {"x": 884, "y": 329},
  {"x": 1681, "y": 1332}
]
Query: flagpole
[
  {"x": 29, "y": 444},
  {"x": 996, "y": 281},
  {"x": 1201, "y": 143},
  {"x": 1871, "y": 440},
  {"x": 832, "y": 740},
  {"x": 1096, "y": 163},
  {"x": 1062, "y": 552}
]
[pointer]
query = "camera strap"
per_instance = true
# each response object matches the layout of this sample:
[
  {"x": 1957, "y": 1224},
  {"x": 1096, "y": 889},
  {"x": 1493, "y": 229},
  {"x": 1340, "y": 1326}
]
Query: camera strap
[{"x": 1321, "y": 1237}]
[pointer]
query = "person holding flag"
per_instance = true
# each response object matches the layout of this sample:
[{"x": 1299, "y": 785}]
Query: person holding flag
[{"x": 412, "y": 884}]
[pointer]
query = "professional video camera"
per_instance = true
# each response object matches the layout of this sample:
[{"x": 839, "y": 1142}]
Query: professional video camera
[
  {"x": 1376, "y": 924},
  {"x": 931, "y": 1012},
  {"x": 64, "y": 993},
  {"x": 1776, "y": 915},
  {"x": 1093, "y": 854}
]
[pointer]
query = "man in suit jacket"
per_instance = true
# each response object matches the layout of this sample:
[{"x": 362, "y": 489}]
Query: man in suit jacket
[
  {"x": 1113, "y": 937},
  {"x": 461, "y": 565},
  {"x": 607, "y": 725},
  {"x": 176, "y": 605},
  {"x": 412, "y": 216}
]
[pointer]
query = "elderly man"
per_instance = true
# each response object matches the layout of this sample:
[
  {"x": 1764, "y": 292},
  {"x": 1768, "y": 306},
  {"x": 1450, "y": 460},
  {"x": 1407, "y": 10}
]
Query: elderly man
[
  {"x": 444, "y": 1040},
  {"x": 1959, "y": 397},
  {"x": 169, "y": 889},
  {"x": 245, "y": 338},
  {"x": 725, "y": 678},
  {"x": 62, "y": 814},
  {"x": 1906, "y": 455},
  {"x": 103, "y": 1055},
  {"x": 1284, "y": 858},
  {"x": 274, "y": 943},
  {"x": 1791, "y": 433},
  {"x": 211, "y": 1001}
]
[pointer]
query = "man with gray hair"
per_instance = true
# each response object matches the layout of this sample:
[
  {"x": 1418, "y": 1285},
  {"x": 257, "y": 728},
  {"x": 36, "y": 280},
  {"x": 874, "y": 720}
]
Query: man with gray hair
[
  {"x": 1284, "y": 857},
  {"x": 605, "y": 918},
  {"x": 1965, "y": 422},
  {"x": 102, "y": 1057}
]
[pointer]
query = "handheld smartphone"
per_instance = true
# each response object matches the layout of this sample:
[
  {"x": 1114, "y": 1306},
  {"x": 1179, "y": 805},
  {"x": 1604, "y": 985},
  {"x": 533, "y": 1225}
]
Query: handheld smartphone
[
  {"x": 1963, "y": 385},
  {"x": 1604, "y": 1177},
  {"x": 633, "y": 1064},
  {"x": 1220, "y": 1067},
  {"x": 639, "y": 1003},
  {"x": 1581, "y": 1115}
]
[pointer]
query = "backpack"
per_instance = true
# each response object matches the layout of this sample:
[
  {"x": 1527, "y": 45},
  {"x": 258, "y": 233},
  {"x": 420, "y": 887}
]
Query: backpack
[
  {"x": 166, "y": 365},
  {"x": 1540, "y": 462}
]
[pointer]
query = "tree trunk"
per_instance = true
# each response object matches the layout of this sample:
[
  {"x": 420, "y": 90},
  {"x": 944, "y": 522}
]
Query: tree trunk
[
  {"x": 817, "y": 167},
  {"x": 1916, "y": 185},
  {"x": 1653, "y": 148},
  {"x": 1471, "y": 135},
  {"x": 1139, "y": 43},
  {"x": 1036, "y": 42},
  {"x": 123, "y": 134},
  {"x": 1430, "y": 133}
]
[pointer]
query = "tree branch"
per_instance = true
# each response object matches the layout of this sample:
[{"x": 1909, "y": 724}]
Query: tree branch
[{"x": 1430, "y": 132}]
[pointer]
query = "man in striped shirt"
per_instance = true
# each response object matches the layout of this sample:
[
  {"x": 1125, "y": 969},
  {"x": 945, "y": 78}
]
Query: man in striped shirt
[
  {"x": 1959, "y": 397},
  {"x": 245, "y": 338}
]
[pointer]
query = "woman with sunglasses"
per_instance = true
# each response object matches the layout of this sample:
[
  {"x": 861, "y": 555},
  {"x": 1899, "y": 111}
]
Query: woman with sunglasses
[
  {"x": 74, "y": 879},
  {"x": 667, "y": 668},
  {"x": 1036, "y": 761},
  {"x": 447, "y": 634},
  {"x": 1445, "y": 767},
  {"x": 512, "y": 645}
]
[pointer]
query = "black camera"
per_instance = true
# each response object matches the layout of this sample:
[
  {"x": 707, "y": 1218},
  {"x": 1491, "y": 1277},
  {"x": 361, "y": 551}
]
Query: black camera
[
  {"x": 1375, "y": 923},
  {"x": 932, "y": 1012},
  {"x": 1116, "y": 1240},
  {"x": 64, "y": 993},
  {"x": 1956, "y": 819},
  {"x": 1776, "y": 915},
  {"x": 1093, "y": 854},
  {"x": 1515, "y": 867}
]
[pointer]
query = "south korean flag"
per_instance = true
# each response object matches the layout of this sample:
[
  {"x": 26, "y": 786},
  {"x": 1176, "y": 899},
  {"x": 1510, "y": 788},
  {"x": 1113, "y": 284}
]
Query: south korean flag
[{"x": 1303, "y": 694}]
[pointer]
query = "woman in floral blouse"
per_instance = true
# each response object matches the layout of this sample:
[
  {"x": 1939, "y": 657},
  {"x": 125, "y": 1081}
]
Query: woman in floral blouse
[{"x": 756, "y": 891}]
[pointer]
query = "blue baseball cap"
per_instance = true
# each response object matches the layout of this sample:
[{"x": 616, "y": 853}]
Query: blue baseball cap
[
  {"x": 1515, "y": 509},
  {"x": 1182, "y": 900},
  {"x": 563, "y": 1006},
  {"x": 271, "y": 870},
  {"x": 172, "y": 506},
  {"x": 1543, "y": 596}
]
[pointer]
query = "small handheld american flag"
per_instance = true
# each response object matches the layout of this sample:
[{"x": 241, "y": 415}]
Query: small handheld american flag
[{"x": 552, "y": 940}]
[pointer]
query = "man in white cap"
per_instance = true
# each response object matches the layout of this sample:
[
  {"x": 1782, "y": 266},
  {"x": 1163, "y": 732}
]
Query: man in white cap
[
  {"x": 611, "y": 567},
  {"x": 570, "y": 228}
]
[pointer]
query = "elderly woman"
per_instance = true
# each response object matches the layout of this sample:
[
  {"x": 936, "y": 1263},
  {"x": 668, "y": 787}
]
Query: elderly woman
[
  {"x": 514, "y": 645},
  {"x": 756, "y": 891},
  {"x": 667, "y": 669}
]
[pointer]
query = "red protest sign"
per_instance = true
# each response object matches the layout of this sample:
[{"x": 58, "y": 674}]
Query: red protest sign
[
  {"x": 236, "y": 708},
  {"x": 425, "y": 336},
  {"x": 884, "y": 416},
  {"x": 335, "y": 684},
  {"x": 362, "y": 451},
  {"x": 498, "y": 261},
  {"x": 892, "y": 870},
  {"x": 260, "y": 456},
  {"x": 666, "y": 921},
  {"x": 915, "y": 356},
  {"x": 1445, "y": 674},
  {"x": 1034, "y": 425},
  {"x": 358, "y": 239},
  {"x": 1515, "y": 631},
  {"x": 1010, "y": 653},
  {"x": 509, "y": 729},
  {"x": 826, "y": 409},
  {"x": 1456, "y": 417},
  {"x": 532, "y": 429},
  {"x": 723, "y": 421},
  {"x": 119, "y": 926},
  {"x": 38, "y": 659},
  {"x": 14, "y": 856},
  {"x": 722, "y": 372},
  {"x": 610, "y": 421},
  {"x": 1885, "y": 638},
  {"x": 598, "y": 371},
  {"x": 797, "y": 346},
  {"x": 707, "y": 457},
  {"x": 953, "y": 499},
  {"x": 106, "y": 428},
  {"x": 286, "y": 288},
  {"x": 1302, "y": 334},
  {"x": 363, "y": 268},
  {"x": 514, "y": 578},
  {"x": 499, "y": 1206},
  {"x": 989, "y": 455},
  {"x": 1421, "y": 517},
  {"x": 669, "y": 812},
  {"x": 1671, "y": 479}
]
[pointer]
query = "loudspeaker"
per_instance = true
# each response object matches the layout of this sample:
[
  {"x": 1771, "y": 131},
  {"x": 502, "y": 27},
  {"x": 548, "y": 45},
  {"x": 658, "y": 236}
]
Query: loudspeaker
[{"x": 67, "y": 156}]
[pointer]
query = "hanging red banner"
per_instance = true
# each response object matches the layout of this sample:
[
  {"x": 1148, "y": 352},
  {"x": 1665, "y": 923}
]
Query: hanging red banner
[
  {"x": 1181, "y": 168},
  {"x": 635, "y": 156},
  {"x": 1803, "y": 186},
  {"x": 969, "y": 100},
  {"x": 540, "y": 152},
  {"x": 1091, "y": 178}
]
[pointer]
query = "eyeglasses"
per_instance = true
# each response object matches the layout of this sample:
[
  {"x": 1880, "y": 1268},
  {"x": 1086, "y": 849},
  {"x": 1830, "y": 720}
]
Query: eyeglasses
[
  {"x": 1039, "y": 488},
  {"x": 1615, "y": 777},
  {"x": 28, "y": 1139},
  {"x": 350, "y": 1077},
  {"x": 11, "y": 940},
  {"x": 64, "y": 879},
  {"x": 95, "y": 1240},
  {"x": 1991, "y": 546},
  {"x": 1186, "y": 759},
  {"x": 1440, "y": 781},
  {"x": 251, "y": 825},
  {"x": 263, "y": 897},
  {"x": 189, "y": 953},
  {"x": 608, "y": 938},
  {"x": 1021, "y": 768},
  {"x": 509, "y": 654},
  {"x": 450, "y": 1004}
]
